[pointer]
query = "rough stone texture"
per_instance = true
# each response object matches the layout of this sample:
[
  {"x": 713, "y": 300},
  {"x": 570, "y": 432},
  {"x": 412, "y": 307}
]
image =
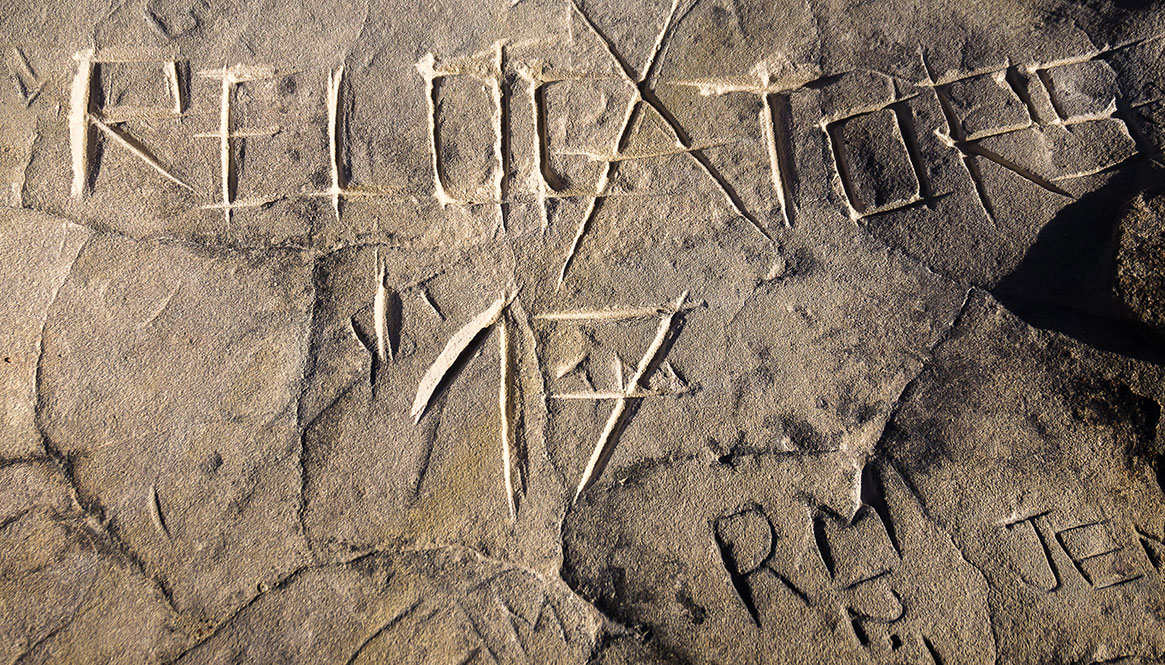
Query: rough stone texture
[
  {"x": 582, "y": 331},
  {"x": 1068, "y": 494},
  {"x": 1141, "y": 261}
]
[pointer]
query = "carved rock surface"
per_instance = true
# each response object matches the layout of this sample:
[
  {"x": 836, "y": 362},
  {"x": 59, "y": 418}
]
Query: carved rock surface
[
  {"x": 582, "y": 331},
  {"x": 1063, "y": 514}
]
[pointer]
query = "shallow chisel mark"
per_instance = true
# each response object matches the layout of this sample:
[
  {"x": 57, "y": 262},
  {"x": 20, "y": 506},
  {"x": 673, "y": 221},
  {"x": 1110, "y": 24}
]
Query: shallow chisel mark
[
  {"x": 904, "y": 119},
  {"x": 175, "y": 85},
  {"x": 364, "y": 341},
  {"x": 616, "y": 420},
  {"x": 1057, "y": 105},
  {"x": 675, "y": 379},
  {"x": 21, "y": 91},
  {"x": 1126, "y": 114},
  {"x": 623, "y": 64},
  {"x": 155, "y": 23},
  {"x": 394, "y": 620},
  {"x": 1117, "y": 583},
  {"x": 624, "y": 130},
  {"x": 239, "y": 72},
  {"x": 791, "y": 82},
  {"x": 226, "y": 162},
  {"x": 624, "y": 157},
  {"x": 739, "y": 581},
  {"x": 553, "y": 612},
  {"x": 453, "y": 350},
  {"x": 241, "y": 133},
  {"x": 25, "y": 91},
  {"x": 1014, "y": 521},
  {"x": 160, "y": 308},
  {"x": 868, "y": 578},
  {"x": 1016, "y": 84},
  {"x": 17, "y": 187},
  {"x": 858, "y": 209},
  {"x": 547, "y": 182},
  {"x": 589, "y": 194},
  {"x": 856, "y": 624},
  {"x": 512, "y": 618},
  {"x": 822, "y": 543},
  {"x": 773, "y": 119},
  {"x": 592, "y": 207},
  {"x": 793, "y": 588},
  {"x": 1150, "y": 553},
  {"x": 156, "y": 512},
  {"x": 934, "y": 655},
  {"x": 486, "y": 67},
  {"x": 22, "y": 62},
  {"x": 546, "y": 179},
  {"x": 728, "y": 541},
  {"x": 231, "y": 77},
  {"x": 586, "y": 377},
  {"x": 369, "y": 346},
  {"x": 873, "y": 494},
  {"x": 477, "y": 631},
  {"x": 429, "y": 438},
  {"x": 570, "y": 366},
  {"x": 841, "y": 161},
  {"x": 703, "y": 162},
  {"x": 432, "y": 305},
  {"x": 601, "y": 188},
  {"x": 32, "y": 95},
  {"x": 243, "y": 203},
  {"x": 647, "y": 95},
  {"x": 427, "y": 67}
]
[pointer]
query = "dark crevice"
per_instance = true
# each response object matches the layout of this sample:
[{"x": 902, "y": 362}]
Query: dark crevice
[{"x": 1065, "y": 281}]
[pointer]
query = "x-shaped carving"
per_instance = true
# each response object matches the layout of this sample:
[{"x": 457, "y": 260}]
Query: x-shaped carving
[{"x": 643, "y": 82}]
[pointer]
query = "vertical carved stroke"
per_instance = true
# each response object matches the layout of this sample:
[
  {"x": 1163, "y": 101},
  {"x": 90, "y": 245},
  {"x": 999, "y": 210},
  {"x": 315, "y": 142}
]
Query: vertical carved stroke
[
  {"x": 499, "y": 126},
  {"x": 505, "y": 405},
  {"x": 335, "y": 79},
  {"x": 380, "y": 314},
  {"x": 771, "y": 119},
  {"x": 226, "y": 162},
  {"x": 79, "y": 102},
  {"x": 428, "y": 70}
]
